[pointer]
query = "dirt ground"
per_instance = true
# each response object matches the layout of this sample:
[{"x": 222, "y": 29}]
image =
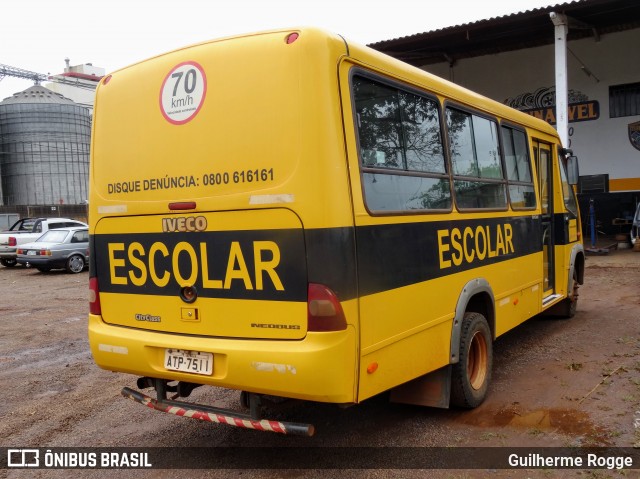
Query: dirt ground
[{"x": 556, "y": 383}]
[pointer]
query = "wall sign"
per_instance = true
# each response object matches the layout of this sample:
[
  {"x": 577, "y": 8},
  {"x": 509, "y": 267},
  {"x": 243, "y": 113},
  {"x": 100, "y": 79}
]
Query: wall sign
[
  {"x": 542, "y": 104},
  {"x": 634, "y": 134}
]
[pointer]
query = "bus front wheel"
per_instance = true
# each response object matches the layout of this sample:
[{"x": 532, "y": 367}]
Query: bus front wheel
[
  {"x": 472, "y": 374},
  {"x": 568, "y": 306}
]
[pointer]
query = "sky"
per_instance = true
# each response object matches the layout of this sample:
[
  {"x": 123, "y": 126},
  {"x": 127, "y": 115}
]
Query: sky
[{"x": 38, "y": 35}]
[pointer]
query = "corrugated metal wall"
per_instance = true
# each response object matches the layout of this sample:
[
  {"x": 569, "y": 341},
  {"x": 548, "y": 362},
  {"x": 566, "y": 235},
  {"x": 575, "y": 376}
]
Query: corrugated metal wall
[{"x": 44, "y": 149}]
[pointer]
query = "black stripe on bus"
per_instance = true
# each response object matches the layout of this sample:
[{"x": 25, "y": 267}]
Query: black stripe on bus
[
  {"x": 393, "y": 256},
  {"x": 561, "y": 228},
  {"x": 351, "y": 261},
  {"x": 331, "y": 256},
  {"x": 221, "y": 264}
]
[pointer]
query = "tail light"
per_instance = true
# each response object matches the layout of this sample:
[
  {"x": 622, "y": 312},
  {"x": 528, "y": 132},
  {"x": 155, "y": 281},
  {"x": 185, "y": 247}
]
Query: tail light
[
  {"x": 12, "y": 241},
  {"x": 94, "y": 297},
  {"x": 324, "y": 312},
  {"x": 45, "y": 252},
  {"x": 20, "y": 251}
]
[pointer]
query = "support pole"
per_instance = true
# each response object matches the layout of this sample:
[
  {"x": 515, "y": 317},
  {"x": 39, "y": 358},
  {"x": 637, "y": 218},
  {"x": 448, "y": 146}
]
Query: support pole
[
  {"x": 562, "y": 91},
  {"x": 592, "y": 222}
]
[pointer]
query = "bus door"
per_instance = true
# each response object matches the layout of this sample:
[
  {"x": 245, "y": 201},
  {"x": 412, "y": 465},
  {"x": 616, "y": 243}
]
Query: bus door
[{"x": 543, "y": 155}]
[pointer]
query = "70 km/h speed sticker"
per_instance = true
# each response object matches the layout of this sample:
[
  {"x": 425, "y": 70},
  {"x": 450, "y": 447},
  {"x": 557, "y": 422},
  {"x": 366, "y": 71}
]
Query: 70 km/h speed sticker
[{"x": 182, "y": 93}]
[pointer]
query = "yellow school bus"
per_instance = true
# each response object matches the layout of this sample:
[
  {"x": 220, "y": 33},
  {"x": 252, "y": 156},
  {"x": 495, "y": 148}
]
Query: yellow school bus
[{"x": 292, "y": 215}]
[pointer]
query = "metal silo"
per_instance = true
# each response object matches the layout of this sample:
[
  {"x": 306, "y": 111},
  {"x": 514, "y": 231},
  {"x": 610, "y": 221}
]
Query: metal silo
[{"x": 44, "y": 148}]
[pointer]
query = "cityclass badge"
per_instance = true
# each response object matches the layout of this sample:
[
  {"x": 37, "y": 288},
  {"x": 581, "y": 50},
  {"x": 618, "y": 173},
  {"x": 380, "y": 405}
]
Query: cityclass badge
[
  {"x": 182, "y": 93},
  {"x": 634, "y": 134}
]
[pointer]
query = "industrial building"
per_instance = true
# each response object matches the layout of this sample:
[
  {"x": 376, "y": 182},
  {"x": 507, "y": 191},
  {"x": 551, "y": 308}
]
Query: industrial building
[
  {"x": 515, "y": 59},
  {"x": 77, "y": 83},
  {"x": 44, "y": 140},
  {"x": 45, "y": 135}
]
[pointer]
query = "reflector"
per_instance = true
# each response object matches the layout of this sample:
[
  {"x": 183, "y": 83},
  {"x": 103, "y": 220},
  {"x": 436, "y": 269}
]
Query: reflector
[
  {"x": 184, "y": 205},
  {"x": 292, "y": 37}
]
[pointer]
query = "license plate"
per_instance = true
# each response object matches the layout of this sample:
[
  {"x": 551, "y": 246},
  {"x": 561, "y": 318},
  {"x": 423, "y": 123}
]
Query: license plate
[
  {"x": 31, "y": 252},
  {"x": 195, "y": 362}
]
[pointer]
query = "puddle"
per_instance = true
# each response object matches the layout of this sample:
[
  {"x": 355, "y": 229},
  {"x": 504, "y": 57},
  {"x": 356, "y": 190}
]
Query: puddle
[{"x": 565, "y": 421}]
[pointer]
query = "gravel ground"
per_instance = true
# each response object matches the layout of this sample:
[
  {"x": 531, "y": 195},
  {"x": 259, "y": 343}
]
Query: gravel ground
[{"x": 556, "y": 383}]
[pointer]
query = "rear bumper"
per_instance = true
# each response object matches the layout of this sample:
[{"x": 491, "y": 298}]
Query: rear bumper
[
  {"x": 218, "y": 415},
  {"x": 8, "y": 253},
  {"x": 320, "y": 367},
  {"x": 39, "y": 261}
]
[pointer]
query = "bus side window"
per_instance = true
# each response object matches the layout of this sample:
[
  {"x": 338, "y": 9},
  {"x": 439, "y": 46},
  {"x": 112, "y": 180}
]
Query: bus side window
[
  {"x": 401, "y": 152},
  {"x": 521, "y": 191},
  {"x": 475, "y": 157}
]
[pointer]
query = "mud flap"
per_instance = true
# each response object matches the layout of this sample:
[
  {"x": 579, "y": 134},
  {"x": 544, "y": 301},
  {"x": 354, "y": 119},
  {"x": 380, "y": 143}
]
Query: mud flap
[{"x": 433, "y": 389}]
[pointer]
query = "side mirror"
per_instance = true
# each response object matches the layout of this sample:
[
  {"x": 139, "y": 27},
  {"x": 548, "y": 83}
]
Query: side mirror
[{"x": 573, "y": 172}]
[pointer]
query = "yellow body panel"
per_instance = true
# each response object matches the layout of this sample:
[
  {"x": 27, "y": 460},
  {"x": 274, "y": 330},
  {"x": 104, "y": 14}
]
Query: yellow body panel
[
  {"x": 319, "y": 368},
  {"x": 257, "y": 191},
  {"x": 174, "y": 251},
  {"x": 269, "y": 108}
]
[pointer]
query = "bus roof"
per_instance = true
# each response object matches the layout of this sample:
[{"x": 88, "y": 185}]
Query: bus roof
[
  {"x": 401, "y": 70},
  {"x": 439, "y": 85}
]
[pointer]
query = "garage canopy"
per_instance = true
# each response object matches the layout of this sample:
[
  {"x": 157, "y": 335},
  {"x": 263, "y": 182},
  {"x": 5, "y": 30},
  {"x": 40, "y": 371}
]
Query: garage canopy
[{"x": 532, "y": 28}]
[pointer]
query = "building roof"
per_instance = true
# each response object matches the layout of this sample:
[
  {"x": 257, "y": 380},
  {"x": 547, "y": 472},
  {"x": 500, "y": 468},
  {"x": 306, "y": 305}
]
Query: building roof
[
  {"x": 37, "y": 94},
  {"x": 531, "y": 28}
]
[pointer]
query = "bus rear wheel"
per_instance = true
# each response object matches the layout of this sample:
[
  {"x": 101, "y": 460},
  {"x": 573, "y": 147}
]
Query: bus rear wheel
[{"x": 472, "y": 374}]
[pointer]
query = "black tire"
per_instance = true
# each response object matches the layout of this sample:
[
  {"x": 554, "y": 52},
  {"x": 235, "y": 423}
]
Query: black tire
[
  {"x": 8, "y": 262},
  {"x": 43, "y": 269},
  {"x": 568, "y": 306},
  {"x": 75, "y": 264},
  {"x": 472, "y": 374},
  {"x": 566, "y": 309}
]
